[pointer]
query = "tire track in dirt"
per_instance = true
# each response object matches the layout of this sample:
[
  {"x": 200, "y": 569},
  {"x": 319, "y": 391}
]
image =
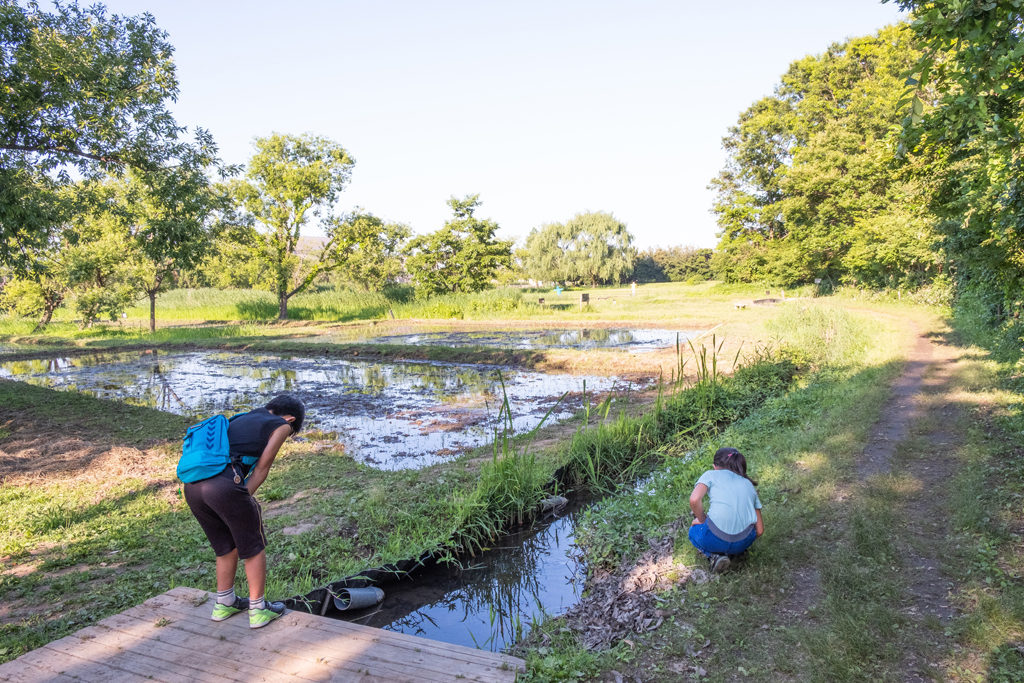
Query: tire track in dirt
[
  {"x": 916, "y": 409},
  {"x": 919, "y": 410}
]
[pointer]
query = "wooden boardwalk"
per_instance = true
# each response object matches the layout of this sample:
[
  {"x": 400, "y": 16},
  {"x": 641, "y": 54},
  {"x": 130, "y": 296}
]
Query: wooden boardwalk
[{"x": 171, "y": 638}]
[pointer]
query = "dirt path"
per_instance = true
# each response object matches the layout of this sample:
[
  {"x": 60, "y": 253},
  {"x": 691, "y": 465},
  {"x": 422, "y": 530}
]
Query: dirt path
[
  {"x": 919, "y": 420},
  {"x": 914, "y": 441}
]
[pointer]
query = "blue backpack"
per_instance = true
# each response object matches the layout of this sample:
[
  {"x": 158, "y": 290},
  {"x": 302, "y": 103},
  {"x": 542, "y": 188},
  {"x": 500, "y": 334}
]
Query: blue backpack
[{"x": 205, "y": 450}]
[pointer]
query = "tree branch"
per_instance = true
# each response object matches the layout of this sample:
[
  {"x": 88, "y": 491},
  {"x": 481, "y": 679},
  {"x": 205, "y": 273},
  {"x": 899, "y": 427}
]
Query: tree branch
[{"x": 64, "y": 150}]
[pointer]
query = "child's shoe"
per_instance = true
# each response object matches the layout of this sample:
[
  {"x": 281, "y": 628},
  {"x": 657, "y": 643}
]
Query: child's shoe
[
  {"x": 719, "y": 563},
  {"x": 222, "y": 612},
  {"x": 260, "y": 617}
]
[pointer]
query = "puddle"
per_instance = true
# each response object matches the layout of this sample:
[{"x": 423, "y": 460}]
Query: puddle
[
  {"x": 598, "y": 338},
  {"x": 389, "y": 415},
  {"x": 493, "y": 602}
]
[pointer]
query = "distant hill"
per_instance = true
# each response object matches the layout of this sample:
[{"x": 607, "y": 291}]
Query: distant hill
[{"x": 310, "y": 246}]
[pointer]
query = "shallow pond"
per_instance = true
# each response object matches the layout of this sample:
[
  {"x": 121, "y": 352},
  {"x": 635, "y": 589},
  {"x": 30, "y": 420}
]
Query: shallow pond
[
  {"x": 597, "y": 338},
  {"x": 493, "y": 601},
  {"x": 390, "y": 415}
]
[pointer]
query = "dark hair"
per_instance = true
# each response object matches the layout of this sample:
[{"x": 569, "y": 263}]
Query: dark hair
[
  {"x": 732, "y": 460},
  {"x": 286, "y": 404}
]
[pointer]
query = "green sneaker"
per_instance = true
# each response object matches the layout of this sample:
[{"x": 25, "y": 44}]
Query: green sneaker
[
  {"x": 222, "y": 612},
  {"x": 258, "y": 618}
]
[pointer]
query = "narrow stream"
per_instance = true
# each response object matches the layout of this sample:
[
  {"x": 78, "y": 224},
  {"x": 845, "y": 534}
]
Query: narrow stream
[{"x": 494, "y": 600}]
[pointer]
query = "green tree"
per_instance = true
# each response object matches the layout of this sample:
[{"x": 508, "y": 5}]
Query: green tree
[
  {"x": 169, "y": 210},
  {"x": 543, "y": 255},
  {"x": 965, "y": 113},
  {"x": 673, "y": 264},
  {"x": 39, "y": 289},
  {"x": 810, "y": 179},
  {"x": 463, "y": 256},
  {"x": 592, "y": 247},
  {"x": 374, "y": 250},
  {"x": 233, "y": 260},
  {"x": 290, "y": 181},
  {"x": 82, "y": 91},
  {"x": 597, "y": 248}
]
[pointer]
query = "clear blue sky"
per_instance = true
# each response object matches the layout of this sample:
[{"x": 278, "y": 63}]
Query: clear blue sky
[{"x": 544, "y": 108}]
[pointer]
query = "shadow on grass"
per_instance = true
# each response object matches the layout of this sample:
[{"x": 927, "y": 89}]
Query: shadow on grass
[{"x": 47, "y": 431}]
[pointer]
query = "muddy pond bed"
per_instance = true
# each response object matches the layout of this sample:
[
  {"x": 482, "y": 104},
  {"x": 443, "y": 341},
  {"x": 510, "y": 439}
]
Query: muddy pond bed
[
  {"x": 393, "y": 415},
  {"x": 636, "y": 340}
]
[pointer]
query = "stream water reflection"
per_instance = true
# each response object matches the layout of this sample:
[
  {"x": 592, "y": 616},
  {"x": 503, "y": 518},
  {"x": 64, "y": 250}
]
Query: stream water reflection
[
  {"x": 392, "y": 415},
  {"x": 493, "y": 602},
  {"x": 641, "y": 339}
]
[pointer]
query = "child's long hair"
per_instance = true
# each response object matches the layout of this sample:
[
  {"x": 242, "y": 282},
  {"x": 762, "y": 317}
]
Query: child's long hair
[{"x": 732, "y": 460}]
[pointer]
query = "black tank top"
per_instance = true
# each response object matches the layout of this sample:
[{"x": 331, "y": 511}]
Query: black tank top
[{"x": 248, "y": 435}]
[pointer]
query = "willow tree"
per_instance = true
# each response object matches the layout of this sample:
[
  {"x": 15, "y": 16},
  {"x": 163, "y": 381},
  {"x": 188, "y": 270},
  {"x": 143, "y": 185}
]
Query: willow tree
[
  {"x": 592, "y": 247},
  {"x": 291, "y": 183}
]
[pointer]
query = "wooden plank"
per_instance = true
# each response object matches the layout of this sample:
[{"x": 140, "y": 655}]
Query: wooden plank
[
  {"x": 411, "y": 642},
  {"x": 122, "y": 665},
  {"x": 171, "y": 638},
  {"x": 77, "y": 667},
  {"x": 415, "y": 657},
  {"x": 26, "y": 669},
  {"x": 417, "y": 643},
  {"x": 285, "y": 636},
  {"x": 182, "y": 664},
  {"x": 235, "y": 660},
  {"x": 473, "y": 662}
]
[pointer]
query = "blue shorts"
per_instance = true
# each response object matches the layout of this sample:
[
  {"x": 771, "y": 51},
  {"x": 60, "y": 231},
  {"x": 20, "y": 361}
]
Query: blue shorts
[{"x": 705, "y": 541}]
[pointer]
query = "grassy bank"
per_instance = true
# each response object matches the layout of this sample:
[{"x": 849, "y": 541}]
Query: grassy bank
[
  {"x": 79, "y": 543},
  {"x": 988, "y": 495},
  {"x": 705, "y": 302},
  {"x": 801, "y": 447}
]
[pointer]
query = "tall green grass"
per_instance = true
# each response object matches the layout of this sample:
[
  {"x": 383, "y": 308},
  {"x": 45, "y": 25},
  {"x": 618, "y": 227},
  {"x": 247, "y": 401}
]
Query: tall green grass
[
  {"x": 331, "y": 303},
  {"x": 602, "y": 456},
  {"x": 319, "y": 303},
  {"x": 505, "y": 302}
]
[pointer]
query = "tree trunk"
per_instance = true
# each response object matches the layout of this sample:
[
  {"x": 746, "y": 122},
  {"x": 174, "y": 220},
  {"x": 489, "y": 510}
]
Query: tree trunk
[
  {"x": 48, "y": 308},
  {"x": 282, "y": 306},
  {"x": 152, "y": 311},
  {"x": 45, "y": 320}
]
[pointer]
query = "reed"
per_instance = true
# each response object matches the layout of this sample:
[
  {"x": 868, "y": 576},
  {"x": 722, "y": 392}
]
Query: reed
[{"x": 607, "y": 451}]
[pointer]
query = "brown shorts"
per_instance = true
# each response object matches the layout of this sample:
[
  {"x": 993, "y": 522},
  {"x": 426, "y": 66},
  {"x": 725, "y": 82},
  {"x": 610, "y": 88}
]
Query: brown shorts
[{"x": 229, "y": 515}]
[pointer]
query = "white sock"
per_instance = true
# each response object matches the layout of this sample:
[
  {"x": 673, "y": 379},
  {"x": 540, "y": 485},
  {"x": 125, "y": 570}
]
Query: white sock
[
  {"x": 258, "y": 603},
  {"x": 226, "y": 597}
]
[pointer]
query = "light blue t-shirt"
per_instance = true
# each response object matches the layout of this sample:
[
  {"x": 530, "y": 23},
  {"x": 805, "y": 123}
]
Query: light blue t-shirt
[{"x": 733, "y": 500}]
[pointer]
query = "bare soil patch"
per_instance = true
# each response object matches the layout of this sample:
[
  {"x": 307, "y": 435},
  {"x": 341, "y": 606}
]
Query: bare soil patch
[
  {"x": 624, "y": 601},
  {"x": 36, "y": 452}
]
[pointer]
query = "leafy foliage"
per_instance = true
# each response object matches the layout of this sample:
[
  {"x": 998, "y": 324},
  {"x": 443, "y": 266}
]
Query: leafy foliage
[
  {"x": 83, "y": 91},
  {"x": 373, "y": 250},
  {"x": 291, "y": 180},
  {"x": 463, "y": 256},
  {"x": 592, "y": 247},
  {"x": 673, "y": 264},
  {"x": 810, "y": 190},
  {"x": 973, "y": 64}
]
